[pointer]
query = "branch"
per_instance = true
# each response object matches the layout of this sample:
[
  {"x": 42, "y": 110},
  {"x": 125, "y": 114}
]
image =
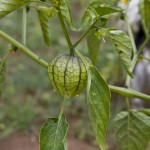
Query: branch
[
  {"x": 129, "y": 93},
  {"x": 135, "y": 58},
  {"x": 84, "y": 34},
  {"x": 65, "y": 31},
  {"x": 24, "y": 49}
]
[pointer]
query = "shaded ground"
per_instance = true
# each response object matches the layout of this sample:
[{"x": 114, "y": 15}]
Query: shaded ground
[{"x": 24, "y": 141}]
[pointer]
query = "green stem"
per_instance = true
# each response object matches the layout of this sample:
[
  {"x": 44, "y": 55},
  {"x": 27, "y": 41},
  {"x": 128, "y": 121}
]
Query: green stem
[
  {"x": 62, "y": 107},
  {"x": 145, "y": 111},
  {"x": 127, "y": 103},
  {"x": 81, "y": 38},
  {"x": 135, "y": 58},
  {"x": 24, "y": 49},
  {"x": 130, "y": 34},
  {"x": 143, "y": 45},
  {"x": 24, "y": 25},
  {"x": 145, "y": 58},
  {"x": 65, "y": 32},
  {"x": 84, "y": 34},
  {"x": 129, "y": 93},
  {"x": 128, "y": 79}
]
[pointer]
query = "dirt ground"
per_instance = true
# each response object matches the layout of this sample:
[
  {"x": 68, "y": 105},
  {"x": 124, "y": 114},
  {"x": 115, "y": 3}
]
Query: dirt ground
[{"x": 24, "y": 141}]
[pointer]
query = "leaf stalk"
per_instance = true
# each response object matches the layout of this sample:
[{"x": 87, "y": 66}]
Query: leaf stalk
[
  {"x": 24, "y": 49},
  {"x": 65, "y": 32}
]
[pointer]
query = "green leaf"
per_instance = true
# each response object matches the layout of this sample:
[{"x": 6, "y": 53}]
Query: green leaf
[
  {"x": 94, "y": 43},
  {"x": 8, "y": 6},
  {"x": 144, "y": 6},
  {"x": 53, "y": 134},
  {"x": 93, "y": 46},
  {"x": 103, "y": 10},
  {"x": 90, "y": 14},
  {"x": 96, "y": 10},
  {"x": 66, "y": 13},
  {"x": 98, "y": 104},
  {"x": 2, "y": 76},
  {"x": 44, "y": 13},
  {"x": 132, "y": 130},
  {"x": 123, "y": 46}
]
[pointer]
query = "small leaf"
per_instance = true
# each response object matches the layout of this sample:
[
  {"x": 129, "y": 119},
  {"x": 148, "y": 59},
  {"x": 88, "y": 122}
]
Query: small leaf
[
  {"x": 98, "y": 104},
  {"x": 53, "y": 134},
  {"x": 103, "y": 10},
  {"x": 123, "y": 46},
  {"x": 44, "y": 13},
  {"x": 132, "y": 130},
  {"x": 144, "y": 6},
  {"x": 66, "y": 13},
  {"x": 8, "y": 6},
  {"x": 95, "y": 11}
]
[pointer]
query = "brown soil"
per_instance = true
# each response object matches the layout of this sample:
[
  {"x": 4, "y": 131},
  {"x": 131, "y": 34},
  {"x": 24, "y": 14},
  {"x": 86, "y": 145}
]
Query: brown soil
[{"x": 24, "y": 141}]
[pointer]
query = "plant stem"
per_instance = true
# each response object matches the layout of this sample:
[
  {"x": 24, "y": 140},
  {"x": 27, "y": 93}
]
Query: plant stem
[
  {"x": 24, "y": 25},
  {"x": 130, "y": 34},
  {"x": 128, "y": 79},
  {"x": 127, "y": 103},
  {"x": 62, "y": 107},
  {"x": 148, "y": 59},
  {"x": 81, "y": 38},
  {"x": 143, "y": 45},
  {"x": 83, "y": 35},
  {"x": 135, "y": 58},
  {"x": 24, "y": 49},
  {"x": 65, "y": 32},
  {"x": 129, "y": 93},
  {"x": 145, "y": 111}
]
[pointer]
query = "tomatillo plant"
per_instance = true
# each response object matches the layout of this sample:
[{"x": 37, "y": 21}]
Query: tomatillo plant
[{"x": 71, "y": 73}]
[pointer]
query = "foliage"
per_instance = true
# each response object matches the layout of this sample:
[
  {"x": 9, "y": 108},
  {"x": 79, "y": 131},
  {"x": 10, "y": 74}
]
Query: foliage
[
  {"x": 53, "y": 134},
  {"x": 132, "y": 128},
  {"x": 98, "y": 104},
  {"x": 144, "y": 10},
  {"x": 94, "y": 20},
  {"x": 44, "y": 14}
]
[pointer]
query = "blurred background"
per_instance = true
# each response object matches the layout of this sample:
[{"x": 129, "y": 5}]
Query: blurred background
[{"x": 28, "y": 98}]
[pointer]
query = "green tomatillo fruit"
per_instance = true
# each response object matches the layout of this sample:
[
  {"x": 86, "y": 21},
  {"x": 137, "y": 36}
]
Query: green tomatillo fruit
[{"x": 68, "y": 74}]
